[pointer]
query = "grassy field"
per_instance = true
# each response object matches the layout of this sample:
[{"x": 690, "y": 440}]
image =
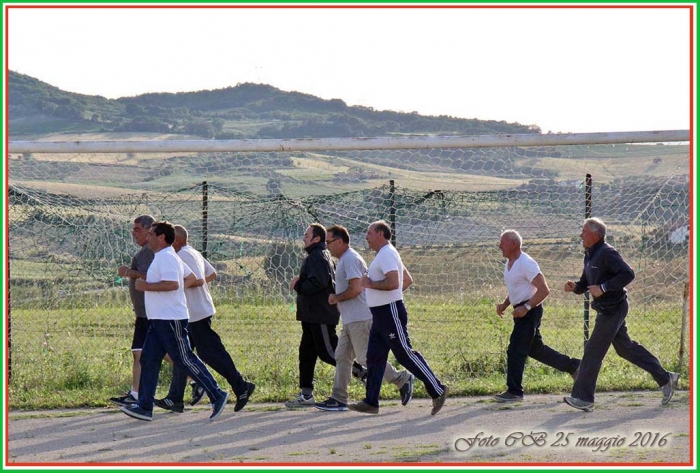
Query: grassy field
[
  {"x": 69, "y": 229},
  {"x": 80, "y": 357}
]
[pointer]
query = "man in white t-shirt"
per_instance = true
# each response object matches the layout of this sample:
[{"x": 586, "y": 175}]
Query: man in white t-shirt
[
  {"x": 384, "y": 283},
  {"x": 203, "y": 338},
  {"x": 349, "y": 296},
  {"x": 527, "y": 288},
  {"x": 166, "y": 309}
]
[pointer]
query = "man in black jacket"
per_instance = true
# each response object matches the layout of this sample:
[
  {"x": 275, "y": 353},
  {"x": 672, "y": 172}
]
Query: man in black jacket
[
  {"x": 318, "y": 318},
  {"x": 605, "y": 275}
]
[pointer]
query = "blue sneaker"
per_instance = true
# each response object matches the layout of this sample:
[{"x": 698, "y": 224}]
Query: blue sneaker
[
  {"x": 219, "y": 406},
  {"x": 133, "y": 410}
]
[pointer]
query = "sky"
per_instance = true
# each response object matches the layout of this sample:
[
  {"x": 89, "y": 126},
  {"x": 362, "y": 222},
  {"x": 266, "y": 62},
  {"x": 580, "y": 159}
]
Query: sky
[{"x": 573, "y": 70}]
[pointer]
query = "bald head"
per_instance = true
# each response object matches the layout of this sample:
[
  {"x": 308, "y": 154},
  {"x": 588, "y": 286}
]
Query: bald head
[
  {"x": 513, "y": 236},
  {"x": 180, "y": 237},
  {"x": 510, "y": 244}
]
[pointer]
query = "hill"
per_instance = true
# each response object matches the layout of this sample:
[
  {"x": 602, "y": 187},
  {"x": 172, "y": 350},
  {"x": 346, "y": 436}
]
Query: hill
[{"x": 244, "y": 111}]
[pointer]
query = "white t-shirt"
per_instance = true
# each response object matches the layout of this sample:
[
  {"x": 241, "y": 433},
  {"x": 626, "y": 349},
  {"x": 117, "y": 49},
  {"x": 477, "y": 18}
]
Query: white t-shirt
[
  {"x": 351, "y": 266},
  {"x": 519, "y": 278},
  {"x": 167, "y": 305},
  {"x": 199, "y": 302},
  {"x": 387, "y": 260}
]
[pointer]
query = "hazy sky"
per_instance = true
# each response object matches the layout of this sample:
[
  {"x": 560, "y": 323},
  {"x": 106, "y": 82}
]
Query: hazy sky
[{"x": 565, "y": 70}]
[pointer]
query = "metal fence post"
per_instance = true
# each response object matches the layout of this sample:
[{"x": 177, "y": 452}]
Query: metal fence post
[
  {"x": 684, "y": 322},
  {"x": 586, "y": 295},
  {"x": 392, "y": 211},
  {"x": 9, "y": 320},
  {"x": 205, "y": 218}
]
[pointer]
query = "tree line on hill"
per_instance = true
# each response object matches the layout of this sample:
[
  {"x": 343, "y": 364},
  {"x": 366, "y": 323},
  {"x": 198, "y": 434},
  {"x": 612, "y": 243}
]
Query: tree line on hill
[{"x": 245, "y": 111}]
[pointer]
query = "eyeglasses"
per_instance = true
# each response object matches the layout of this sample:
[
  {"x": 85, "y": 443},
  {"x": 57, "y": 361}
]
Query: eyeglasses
[{"x": 331, "y": 241}]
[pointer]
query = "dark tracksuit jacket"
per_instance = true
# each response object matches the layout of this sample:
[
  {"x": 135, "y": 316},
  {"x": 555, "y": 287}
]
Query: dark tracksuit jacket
[
  {"x": 603, "y": 265},
  {"x": 318, "y": 318},
  {"x": 316, "y": 282}
]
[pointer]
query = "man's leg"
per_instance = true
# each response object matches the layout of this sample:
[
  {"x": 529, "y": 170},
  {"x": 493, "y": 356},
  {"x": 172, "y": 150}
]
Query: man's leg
[
  {"x": 344, "y": 354},
  {"x": 136, "y": 371},
  {"x": 212, "y": 352},
  {"x": 518, "y": 348},
  {"x": 400, "y": 345},
  {"x": 325, "y": 341},
  {"x": 151, "y": 360},
  {"x": 550, "y": 357},
  {"x": 139, "y": 338},
  {"x": 178, "y": 384},
  {"x": 307, "y": 359},
  {"x": 377, "y": 353},
  {"x": 174, "y": 337},
  {"x": 604, "y": 332},
  {"x": 638, "y": 355},
  {"x": 359, "y": 337}
]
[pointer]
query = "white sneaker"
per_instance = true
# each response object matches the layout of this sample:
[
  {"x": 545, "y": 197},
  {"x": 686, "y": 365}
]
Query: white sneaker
[{"x": 301, "y": 401}]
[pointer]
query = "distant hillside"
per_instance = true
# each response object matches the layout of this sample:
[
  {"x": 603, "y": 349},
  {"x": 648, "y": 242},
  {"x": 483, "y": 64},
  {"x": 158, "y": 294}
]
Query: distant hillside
[{"x": 245, "y": 111}]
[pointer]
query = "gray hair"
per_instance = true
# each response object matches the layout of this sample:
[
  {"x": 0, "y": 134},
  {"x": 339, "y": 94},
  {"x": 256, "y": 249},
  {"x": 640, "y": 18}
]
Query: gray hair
[
  {"x": 181, "y": 233},
  {"x": 513, "y": 236},
  {"x": 144, "y": 220},
  {"x": 596, "y": 225}
]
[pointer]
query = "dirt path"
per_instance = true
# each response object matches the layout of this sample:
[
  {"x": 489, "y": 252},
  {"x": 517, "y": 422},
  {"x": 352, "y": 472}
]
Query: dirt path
[{"x": 270, "y": 433}]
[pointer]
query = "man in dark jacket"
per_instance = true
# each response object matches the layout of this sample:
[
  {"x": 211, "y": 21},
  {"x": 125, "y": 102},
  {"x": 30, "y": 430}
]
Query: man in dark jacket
[
  {"x": 318, "y": 318},
  {"x": 605, "y": 275}
]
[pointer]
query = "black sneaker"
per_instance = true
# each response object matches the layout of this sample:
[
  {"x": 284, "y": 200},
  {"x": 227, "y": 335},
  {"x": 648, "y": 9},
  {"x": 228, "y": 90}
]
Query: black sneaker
[
  {"x": 242, "y": 400},
  {"x": 331, "y": 405},
  {"x": 359, "y": 372},
  {"x": 506, "y": 396},
  {"x": 406, "y": 391},
  {"x": 197, "y": 393},
  {"x": 170, "y": 405},
  {"x": 126, "y": 400}
]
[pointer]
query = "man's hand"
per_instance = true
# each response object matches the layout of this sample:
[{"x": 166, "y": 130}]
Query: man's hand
[
  {"x": 332, "y": 299},
  {"x": 122, "y": 270},
  {"x": 140, "y": 285},
  {"x": 293, "y": 282},
  {"x": 192, "y": 281},
  {"x": 501, "y": 308},
  {"x": 366, "y": 282},
  {"x": 570, "y": 286},
  {"x": 520, "y": 311},
  {"x": 595, "y": 290}
]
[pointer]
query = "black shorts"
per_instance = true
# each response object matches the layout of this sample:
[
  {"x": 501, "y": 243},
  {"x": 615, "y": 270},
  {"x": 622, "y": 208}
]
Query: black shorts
[{"x": 140, "y": 330}]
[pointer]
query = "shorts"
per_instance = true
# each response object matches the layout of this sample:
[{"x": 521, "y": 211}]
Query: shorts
[{"x": 140, "y": 330}]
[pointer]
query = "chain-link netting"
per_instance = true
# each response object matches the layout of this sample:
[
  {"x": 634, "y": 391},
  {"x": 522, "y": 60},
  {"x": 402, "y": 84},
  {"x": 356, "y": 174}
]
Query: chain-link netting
[{"x": 70, "y": 218}]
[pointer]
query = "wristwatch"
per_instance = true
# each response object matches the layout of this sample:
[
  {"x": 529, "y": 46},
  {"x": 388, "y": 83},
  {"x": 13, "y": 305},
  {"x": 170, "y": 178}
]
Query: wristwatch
[{"x": 528, "y": 307}]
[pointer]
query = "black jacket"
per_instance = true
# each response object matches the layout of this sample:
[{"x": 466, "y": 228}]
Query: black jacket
[
  {"x": 604, "y": 265},
  {"x": 316, "y": 282}
]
